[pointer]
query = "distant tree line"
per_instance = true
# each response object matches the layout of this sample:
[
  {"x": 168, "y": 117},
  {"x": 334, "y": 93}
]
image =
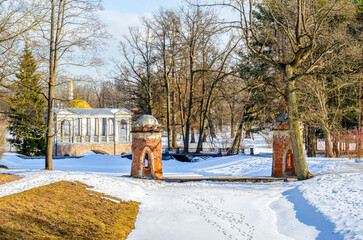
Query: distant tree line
[{"x": 196, "y": 71}]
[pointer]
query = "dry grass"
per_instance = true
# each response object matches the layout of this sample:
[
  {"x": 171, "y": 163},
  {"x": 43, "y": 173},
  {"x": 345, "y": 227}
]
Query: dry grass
[
  {"x": 65, "y": 210},
  {"x": 4, "y": 178}
]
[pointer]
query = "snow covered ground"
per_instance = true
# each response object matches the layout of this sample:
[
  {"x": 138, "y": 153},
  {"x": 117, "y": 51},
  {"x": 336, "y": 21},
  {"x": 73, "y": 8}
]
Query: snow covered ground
[{"x": 329, "y": 206}]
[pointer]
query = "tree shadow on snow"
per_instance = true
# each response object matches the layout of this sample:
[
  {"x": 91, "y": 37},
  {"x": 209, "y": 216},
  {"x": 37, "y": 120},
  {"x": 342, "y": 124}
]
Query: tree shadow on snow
[{"x": 310, "y": 216}]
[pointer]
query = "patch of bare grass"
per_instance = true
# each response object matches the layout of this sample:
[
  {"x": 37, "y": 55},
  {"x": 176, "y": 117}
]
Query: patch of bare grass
[
  {"x": 4, "y": 178},
  {"x": 65, "y": 210}
]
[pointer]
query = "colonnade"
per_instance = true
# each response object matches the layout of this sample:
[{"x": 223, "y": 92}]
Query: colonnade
[{"x": 93, "y": 130}]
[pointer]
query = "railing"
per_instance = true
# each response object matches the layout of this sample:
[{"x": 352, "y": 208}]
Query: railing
[
  {"x": 345, "y": 142},
  {"x": 90, "y": 139},
  {"x": 123, "y": 139},
  {"x": 206, "y": 150},
  {"x": 66, "y": 139}
]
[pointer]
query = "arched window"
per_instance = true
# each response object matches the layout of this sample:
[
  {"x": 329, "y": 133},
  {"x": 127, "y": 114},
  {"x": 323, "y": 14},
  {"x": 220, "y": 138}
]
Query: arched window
[
  {"x": 123, "y": 129},
  {"x": 146, "y": 160},
  {"x": 88, "y": 127},
  {"x": 289, "y": 157},
  {"x": 77, "y": 127},
  {"x": 65, "y": 128},
  {"x": 111, "y": 127},
  {"x": 104, "y": 126}
]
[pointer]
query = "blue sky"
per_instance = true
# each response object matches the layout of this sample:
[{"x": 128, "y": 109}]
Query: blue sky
[
  {"x": 119, "y": 15},
  {"x": 139, "y": 7}
]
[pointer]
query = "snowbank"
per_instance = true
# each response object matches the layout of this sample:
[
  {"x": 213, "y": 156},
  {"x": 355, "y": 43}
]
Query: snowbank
[{"x": 329, "y": 206}]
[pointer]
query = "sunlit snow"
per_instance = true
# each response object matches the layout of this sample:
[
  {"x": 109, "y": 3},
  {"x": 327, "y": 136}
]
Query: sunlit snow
[{"x": 328, "y": 206}]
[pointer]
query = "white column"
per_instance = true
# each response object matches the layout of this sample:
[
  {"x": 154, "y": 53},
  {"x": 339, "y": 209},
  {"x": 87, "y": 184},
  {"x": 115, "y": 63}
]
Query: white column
[
  {"x": 107, "y": 128},
  {"x": 116, "y": 130},
  {"x": 91, "y": 130},
  {"x": 71, "y": 134},
  {"x": 81, "y": 130},
  {"x": 100, "y": 129}
]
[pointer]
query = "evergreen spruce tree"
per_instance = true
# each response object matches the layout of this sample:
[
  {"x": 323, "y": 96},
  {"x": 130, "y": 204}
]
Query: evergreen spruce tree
[{"x": 27, "y": 108}]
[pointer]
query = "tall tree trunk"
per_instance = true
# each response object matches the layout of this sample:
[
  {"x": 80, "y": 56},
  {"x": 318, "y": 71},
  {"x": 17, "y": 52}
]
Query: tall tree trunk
[
  {"x": 149, "y": 105},
  {"x": 202, "y": 117},
  {"x": 233, "y": 124},
  {"x": 359, "y": 112},
  {"x": 191, "y": 102},
  {"x": 301, "y": 167},
  {"x": 168, "y": 128},
  {"x": 202, "y": 135},
  {"x": 328, "y": 143},
  {"x": 192, "y": 140},
  {"x": 51, "y": 84},
  {"x": 238, "y": 137},
  {"x": 204, "y": 139},
  {"x": 211, "y": 125},
  {"x": 239, "y": 144},
  {"x": 220, "y": 124},
  {"x": 174, "y": 143},
  {"x": 311, "y": 141}
]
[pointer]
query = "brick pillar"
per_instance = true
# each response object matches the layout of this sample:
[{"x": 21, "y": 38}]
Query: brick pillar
[
  {"x": 146, "y": 141},
  {"x": 283, "y": 159}
]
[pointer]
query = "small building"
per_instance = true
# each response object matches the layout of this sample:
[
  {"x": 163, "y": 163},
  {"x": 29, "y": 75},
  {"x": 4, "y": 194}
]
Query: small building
[
  {"x": 81, "y": 129},
  {"x": 146, "y": 148},
  {"x": 283, "y": 158}
]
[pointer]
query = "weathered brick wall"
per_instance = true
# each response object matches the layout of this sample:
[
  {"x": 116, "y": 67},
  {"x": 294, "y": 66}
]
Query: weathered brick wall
[
  {"x": 281, "y": 141},
  {"x": 282, "y": 150},
  {"x": 79, "y": 150},
  {"x": 150, "y": 143}
]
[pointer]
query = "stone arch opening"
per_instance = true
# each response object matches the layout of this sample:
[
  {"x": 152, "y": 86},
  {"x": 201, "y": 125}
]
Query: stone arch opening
[
  {"x": 99, "y": 152},
  {"x": 89, "y": 149},
  {"x": 146, "y": 163},
  {"x": 146, "y": 160},
  {"x": 288, "y": 167}
]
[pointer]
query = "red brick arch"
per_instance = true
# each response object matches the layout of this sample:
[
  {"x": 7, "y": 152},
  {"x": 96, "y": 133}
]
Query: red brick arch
[
  {"x": 148, "y": 172},
  {"x": 286, "y": 170}
]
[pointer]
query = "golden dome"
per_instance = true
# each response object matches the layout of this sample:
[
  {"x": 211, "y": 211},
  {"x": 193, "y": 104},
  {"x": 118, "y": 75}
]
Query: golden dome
[{"x": 78, "y": 103}]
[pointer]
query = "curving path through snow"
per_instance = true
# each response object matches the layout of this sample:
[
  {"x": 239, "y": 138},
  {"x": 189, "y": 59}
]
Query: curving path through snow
[{"x": 329, "y": 206}]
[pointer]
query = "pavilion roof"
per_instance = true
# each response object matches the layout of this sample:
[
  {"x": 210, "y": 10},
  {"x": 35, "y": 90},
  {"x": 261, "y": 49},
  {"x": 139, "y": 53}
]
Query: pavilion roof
[{"x": 93, "y": 111}]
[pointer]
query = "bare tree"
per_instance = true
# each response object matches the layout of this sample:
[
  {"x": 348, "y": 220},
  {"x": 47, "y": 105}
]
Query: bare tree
[
  {"x": 71, "y": 30},
  {"x": 138, "y": 66},
  {"x": 166, "y": 25},
  {"x": 16, "y": 19},
  {"x": 300, "y": 23},
  {"x": 196, "y": 24},
  {"x": 215, "y": 68}
]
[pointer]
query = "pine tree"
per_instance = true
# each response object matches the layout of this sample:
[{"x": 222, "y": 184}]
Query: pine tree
[{"x": 27, "y": 124}]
